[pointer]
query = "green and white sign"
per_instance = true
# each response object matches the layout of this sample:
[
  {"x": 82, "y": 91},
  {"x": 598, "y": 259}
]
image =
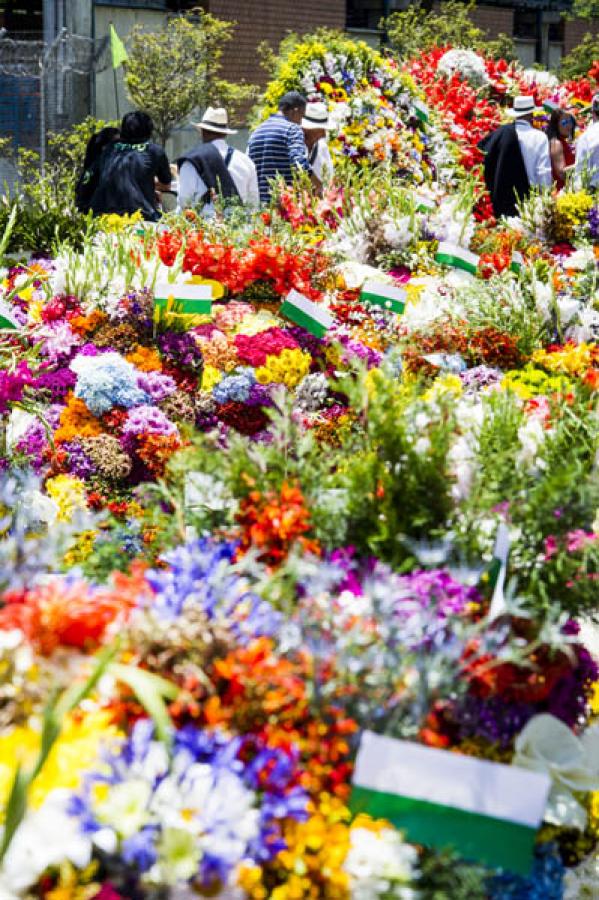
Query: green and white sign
[
  {"x": 486, "y": 811},
  {"x": 386, "y": 295},
  {"x": 192, "y": 299},
  {"x": 457, "y": 257},
  {"x": 7, "y": 317},
  {"x": 311, "y": 316}
]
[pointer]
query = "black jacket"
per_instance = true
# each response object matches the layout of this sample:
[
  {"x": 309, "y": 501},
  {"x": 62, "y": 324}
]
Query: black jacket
[
  {"x": 505, "y": 172},
  {"x": 212, "y": 169}
]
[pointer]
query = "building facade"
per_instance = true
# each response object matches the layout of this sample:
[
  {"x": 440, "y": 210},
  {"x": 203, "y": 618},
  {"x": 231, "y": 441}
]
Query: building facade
[{"x": 78, "y": 79}]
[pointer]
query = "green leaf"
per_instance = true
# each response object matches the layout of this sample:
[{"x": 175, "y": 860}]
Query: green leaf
[
  {"x": 15, "y": 809},
  {"x": 150, "y": 690}
]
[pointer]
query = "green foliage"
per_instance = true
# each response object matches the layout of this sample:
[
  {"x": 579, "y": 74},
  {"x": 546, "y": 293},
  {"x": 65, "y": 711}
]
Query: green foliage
[
  {"x": 555, "y": 491},
  {"x": 584, "y": 9},
  {"x": 444, "y": 876},
  {"x": 45, "y": 197},
  {"x": 172, "y": 72},
  {"x": 417, "y": 30},
  {"x": 579, "y": 60}
]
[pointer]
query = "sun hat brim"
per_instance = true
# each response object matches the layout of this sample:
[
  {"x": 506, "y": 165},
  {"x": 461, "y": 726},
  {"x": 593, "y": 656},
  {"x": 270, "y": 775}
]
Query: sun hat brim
[
  {"x": 518, "y": 113},
  {"x": 219, "y": 129},
  {"x": 312, "y": 125}
]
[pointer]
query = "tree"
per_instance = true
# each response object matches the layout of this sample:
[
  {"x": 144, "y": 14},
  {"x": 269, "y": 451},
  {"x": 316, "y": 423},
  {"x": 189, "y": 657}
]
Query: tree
[
  {"x": 171, "y": 72},
  {"x": 584, "y": 9},
  {"x": 578, "y": 62},
  {"x": 417, "y": 30}
]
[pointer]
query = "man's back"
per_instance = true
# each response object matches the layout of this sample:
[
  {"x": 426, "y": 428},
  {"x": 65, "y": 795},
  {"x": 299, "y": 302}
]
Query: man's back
[
  {"x": 277, "y": 147},
  {"x": 587, "y": 153},
  {"x": 126, "y": 174}
]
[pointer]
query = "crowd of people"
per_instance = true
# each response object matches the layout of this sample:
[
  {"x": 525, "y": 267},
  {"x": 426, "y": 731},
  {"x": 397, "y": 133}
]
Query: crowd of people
[
  {"x": 125, "y": 172},
  {"x": 518, "y": 156}
]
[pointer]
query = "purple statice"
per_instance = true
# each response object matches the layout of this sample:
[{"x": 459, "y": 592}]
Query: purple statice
[
  {"x": 79, "y": 462},
  {"x": 33, "y": 444},
  {"x": 594, "y": 224},
  {"x": 53, "y": 414},
  {"x": 436, "y": 589},
  {"x": 156, "y": 385},
  {"x": 57, "y": 383},
  {"x": 260, "y": 395},
  {"x": 148, "y": 420},
  {"x": 90, "y": 350},
  {"x": 492, "y": 719},
  {"x": 306, "y": 341},
  {"x": 200, "y": 573},
  {"x": 181, "y": 350},
  {"x": 356, "y": 349},
  {"x": 479, "y": 378},
  {"x": 568, "y": 699}
]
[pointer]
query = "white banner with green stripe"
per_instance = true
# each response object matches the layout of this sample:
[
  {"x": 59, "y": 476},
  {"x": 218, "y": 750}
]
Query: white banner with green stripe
[
  {"x": 458, "y": 257},
  {"x": 486, "y": 811},
  {"x": 517, "y": 261},
  {"x": 7, "y": 317},
  {"x": 191, "y": 299},
  {"x": 386, "y": 295},
  {"x": 314, "y": 317},
  {"x": 421, "y": 110}
]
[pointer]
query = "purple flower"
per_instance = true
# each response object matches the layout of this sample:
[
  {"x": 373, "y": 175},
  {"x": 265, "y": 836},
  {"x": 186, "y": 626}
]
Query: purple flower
[
  {"x": 13, "y": 384},
  {"x": 182, "y": 350},
  {"x": 148, "y": 420},
  {"x": 58, "y": 383},
  {"x": 156, "y": 385},
  {"x": 79, "y": 462}
]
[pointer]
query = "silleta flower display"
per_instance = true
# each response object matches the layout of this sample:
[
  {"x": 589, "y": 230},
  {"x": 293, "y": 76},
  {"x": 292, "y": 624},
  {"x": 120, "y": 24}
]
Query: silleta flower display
[{"x": 235, "y": 542}]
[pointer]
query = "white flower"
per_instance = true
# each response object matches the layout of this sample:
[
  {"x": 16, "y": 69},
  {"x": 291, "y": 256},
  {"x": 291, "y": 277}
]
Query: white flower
[
  {"x": 379, "y": 863},
  {"x": 582, "y": 882},
  {"x": 47, "y": 837},
  {"x": 126, "y": 807},
  {"x": 466, "y": 63},
  {"x": 532, "y": 437},
  {"x": 547, "y": 745}
]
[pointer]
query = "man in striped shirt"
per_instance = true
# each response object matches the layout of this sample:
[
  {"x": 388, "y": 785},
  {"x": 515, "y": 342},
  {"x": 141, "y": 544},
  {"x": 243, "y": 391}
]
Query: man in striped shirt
[{"x": 277, "y": 147}]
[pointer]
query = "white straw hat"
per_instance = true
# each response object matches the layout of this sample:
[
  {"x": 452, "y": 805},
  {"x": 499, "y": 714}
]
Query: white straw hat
[
  {"x": 316, "y": 116},
  {"x": 215, "y": 119},
  {"x": 523, "y": 106}
]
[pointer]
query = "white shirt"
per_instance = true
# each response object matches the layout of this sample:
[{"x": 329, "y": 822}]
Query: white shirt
[
  {"x": 587, "y": 153},
  {"x": 322, "y": 164},
  {"x": 535, "y": 153},
  {"x": 241, "y": 169}
]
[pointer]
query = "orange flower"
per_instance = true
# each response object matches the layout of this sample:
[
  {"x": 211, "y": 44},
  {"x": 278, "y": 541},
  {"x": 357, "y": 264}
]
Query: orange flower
[
  {"x": 144, "y": 359},
  {"x": 273, "y": 523},
  {"x": 76, "y": 421}
]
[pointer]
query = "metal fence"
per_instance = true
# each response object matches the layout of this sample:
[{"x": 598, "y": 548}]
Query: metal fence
[{"x": 46, "y": 87}]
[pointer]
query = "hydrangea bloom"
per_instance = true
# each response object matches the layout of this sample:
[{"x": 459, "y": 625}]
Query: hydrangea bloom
[
  {"x": 105, "y": 381},
  {"x": 148, "y": 420}
]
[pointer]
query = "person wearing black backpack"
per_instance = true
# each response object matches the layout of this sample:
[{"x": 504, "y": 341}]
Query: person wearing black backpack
[
  {"x": 88, "y": 180},
  {"x": 214, "y": 169},
  {"x": 130, "y": 171}
]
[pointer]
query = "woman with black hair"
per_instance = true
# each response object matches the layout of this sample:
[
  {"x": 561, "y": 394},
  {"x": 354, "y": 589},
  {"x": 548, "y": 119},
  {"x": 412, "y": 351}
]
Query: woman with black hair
[
  {"x": 87, "y": 182},
  {"x": 131, "y": 170},
  {"x": 560, "y": 132}
]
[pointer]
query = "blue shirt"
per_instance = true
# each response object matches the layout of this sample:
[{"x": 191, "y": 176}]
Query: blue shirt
[{"x": 277, "y": 147}]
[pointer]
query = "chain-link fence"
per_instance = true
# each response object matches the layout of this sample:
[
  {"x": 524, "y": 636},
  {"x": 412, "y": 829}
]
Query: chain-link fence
[{"x": 46, "y": 87}]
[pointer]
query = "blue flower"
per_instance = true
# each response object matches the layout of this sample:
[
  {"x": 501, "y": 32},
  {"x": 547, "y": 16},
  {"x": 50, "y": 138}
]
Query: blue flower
[
  {"x": 139, "y": 850},
  {"x": 105, "y": 381},
  {"x": 544, "y": 883}
]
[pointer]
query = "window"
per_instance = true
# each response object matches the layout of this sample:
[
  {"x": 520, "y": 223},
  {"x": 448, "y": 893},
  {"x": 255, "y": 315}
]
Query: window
[
  {"x": 21, "y": 17},
  {"x": 525, "y": 24},
  {"x": 364, "y": 13}
]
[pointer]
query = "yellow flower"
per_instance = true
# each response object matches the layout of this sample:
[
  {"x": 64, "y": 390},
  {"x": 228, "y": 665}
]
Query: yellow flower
[
  {"x": 73, "y": 754},
  {"x": 68, "y": 492},
  {"x": 444, "y": 385},
  {"x": 210, "y": 377}
]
